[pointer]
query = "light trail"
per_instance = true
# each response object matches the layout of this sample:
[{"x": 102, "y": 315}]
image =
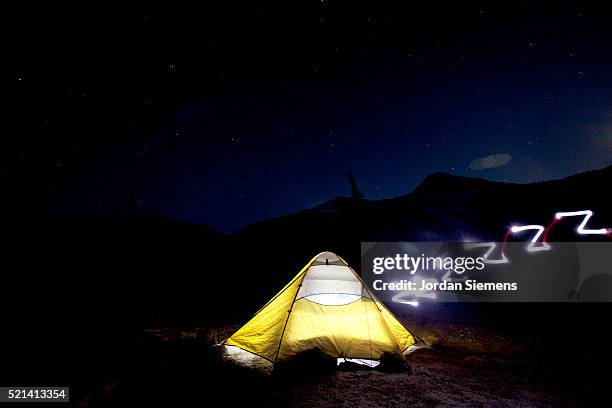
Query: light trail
[
  {"x": 581, "y": 229},
  {"x": 539, "y": 231},
  {"x": 487, "y": 256}
]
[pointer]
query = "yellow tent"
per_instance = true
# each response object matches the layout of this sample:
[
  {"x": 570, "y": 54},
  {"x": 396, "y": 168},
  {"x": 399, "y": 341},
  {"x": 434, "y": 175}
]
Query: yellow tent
[{"x": 327, "y": 306}]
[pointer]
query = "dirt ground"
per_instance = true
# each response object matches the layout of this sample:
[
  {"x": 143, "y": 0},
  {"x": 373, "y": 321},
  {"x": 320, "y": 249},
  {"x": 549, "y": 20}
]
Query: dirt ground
[
  {"x": 459, "y": 367},
  {"x": 460, "y": 364},
  {"x": 462, "y": 367}
]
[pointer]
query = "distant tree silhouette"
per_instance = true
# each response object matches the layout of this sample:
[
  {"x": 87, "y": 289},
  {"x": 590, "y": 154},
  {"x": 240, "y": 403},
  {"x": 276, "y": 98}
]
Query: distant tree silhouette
[
  {"x": 355, "y": 192},
  {"x": 132, "y": 201}
]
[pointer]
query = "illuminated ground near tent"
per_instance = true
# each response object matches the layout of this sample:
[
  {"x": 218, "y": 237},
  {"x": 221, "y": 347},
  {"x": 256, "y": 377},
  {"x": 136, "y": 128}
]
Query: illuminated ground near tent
[{"x": 243, "y": 358}]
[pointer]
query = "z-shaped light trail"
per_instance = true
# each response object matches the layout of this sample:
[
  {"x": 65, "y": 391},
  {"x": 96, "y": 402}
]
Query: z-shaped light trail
[
  {"x": 487, "y": 255},
  {"x": 581, "y": 228},
  {"x": 531, "y": 247},
  {"x": 543, "y": 232}
]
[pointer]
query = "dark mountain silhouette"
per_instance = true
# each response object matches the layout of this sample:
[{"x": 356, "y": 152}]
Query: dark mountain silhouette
[{"x": 442, "y": 208}]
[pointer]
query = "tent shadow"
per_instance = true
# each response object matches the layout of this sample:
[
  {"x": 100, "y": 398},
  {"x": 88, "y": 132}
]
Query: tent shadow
[{"x": 311, "y": 363}]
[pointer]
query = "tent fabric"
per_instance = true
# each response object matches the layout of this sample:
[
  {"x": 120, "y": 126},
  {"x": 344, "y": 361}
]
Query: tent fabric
[{"x": 327, "y": 306}]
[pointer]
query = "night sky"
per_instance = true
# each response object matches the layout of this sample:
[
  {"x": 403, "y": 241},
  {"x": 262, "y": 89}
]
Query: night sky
[{"x": 230, "y": 114}]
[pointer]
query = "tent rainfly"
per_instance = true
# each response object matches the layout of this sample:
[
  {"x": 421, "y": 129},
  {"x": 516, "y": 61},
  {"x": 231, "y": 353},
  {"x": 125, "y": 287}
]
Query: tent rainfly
[{"x": 325, "y": 306}]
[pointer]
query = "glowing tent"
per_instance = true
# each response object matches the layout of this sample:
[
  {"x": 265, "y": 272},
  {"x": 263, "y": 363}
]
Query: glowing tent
[{"x": 325, "y": 306}]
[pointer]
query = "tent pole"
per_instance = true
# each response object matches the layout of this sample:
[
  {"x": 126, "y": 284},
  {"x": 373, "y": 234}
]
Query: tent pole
[{"x": 288, "y": 316}]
